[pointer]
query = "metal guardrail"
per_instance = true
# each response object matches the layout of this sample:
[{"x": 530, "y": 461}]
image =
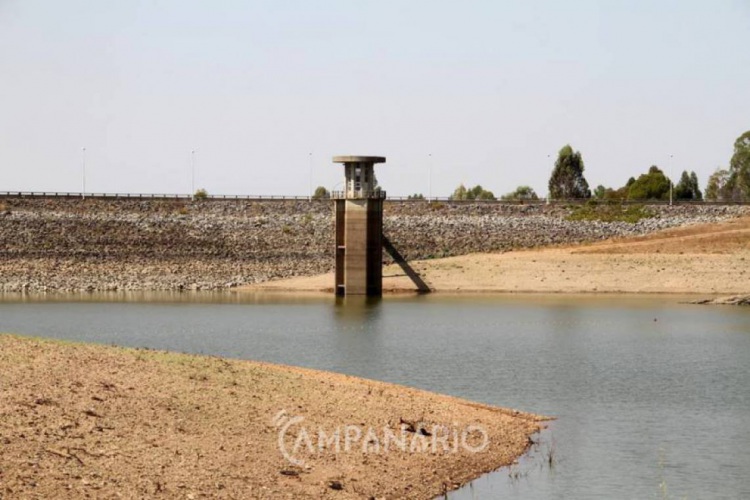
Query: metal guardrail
[
  {"x": 568, "y": 201},
  {"x": 142, "y": 196},
  {"x": 335, "y": 194},
  {"x": 377, "y": 194}
]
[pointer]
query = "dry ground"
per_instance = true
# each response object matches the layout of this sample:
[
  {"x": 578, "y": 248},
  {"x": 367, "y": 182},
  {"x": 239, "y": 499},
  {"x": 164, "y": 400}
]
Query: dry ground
[
  {"x": 719, "y": 239},
  {"x": 86, "y": 421},
  {"x": 707, "y": 259}
]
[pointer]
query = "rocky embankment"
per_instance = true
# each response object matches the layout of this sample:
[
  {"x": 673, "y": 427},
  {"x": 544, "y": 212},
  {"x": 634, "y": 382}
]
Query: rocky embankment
[{"x": 59, "y": 244}]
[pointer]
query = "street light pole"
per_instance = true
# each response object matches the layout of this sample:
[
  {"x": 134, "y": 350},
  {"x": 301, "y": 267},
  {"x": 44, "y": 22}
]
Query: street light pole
[
  {"x": 192, "y": 173},
  {"x": 83, "y": 168},
  {"x": 309, "y": 181},
  {"x": 429, "y": 178}
]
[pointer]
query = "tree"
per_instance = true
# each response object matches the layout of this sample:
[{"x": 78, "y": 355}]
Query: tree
[
  {"x": 682, "y": 190},
  {"x": 460, "y": 193},
  {"x": 716, "y": 188},
  {"x": 697, "y": 195},
  {"x": 479, "y": 193},
  {"x": 415, "y": 196},
  {"x": 567, "y": 180},
  {"x": 200, "y": 194},
  {"x": 609, "y": 194},
  {"x": 687, "y": 188},
  {"x": 321, "y": 193},
  {"x": 651, "y": 186},
  {"x": 600, "y": 192},
  {"x": 522, "y": 193},
  {"x": 475, "y": 193},
  {"x": 739, "y": 169}
]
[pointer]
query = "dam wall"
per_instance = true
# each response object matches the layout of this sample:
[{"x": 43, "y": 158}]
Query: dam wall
[{"x": 119, "y": 244}]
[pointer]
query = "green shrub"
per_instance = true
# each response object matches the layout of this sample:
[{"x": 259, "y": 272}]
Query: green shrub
[
  {"x": 522, "y": 193},
  {"x": 475, "y": 193},
  {"x": 321, "y": 193},
  {"x": 653, "y": 185}
]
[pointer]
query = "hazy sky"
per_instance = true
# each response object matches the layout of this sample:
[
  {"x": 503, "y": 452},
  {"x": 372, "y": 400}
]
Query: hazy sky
[{"x": 488, "y": 88}]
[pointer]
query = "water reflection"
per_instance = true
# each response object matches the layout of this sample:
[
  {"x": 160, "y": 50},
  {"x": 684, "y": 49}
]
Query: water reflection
[
  {"x": 357, "y": 309},
  {"x": 167, "y": 297}
]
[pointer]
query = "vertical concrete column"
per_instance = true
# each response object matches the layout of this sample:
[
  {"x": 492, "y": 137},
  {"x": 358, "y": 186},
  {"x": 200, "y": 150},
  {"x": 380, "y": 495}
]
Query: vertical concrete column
[
  {"x": 375, "y": 247},
  {"x": 340, "y": 218}
]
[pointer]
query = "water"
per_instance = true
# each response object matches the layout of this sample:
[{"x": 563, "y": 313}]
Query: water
[{"x": 652, "y": 397}]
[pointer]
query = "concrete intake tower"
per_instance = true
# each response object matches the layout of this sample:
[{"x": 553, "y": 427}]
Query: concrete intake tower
[{"x": 359, "y": 228}]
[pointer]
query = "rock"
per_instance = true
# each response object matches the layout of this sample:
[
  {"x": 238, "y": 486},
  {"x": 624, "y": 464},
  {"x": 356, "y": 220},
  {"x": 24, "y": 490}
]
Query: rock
[
  {"x": 127, "y": 245},
  {"x": 336, "y": 485},
  {"x": 737, "y": 300}
]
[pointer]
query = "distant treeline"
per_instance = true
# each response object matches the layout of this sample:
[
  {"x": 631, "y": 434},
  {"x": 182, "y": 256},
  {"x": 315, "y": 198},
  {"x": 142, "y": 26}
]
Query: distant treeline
[{"x": 568, "y": 182}]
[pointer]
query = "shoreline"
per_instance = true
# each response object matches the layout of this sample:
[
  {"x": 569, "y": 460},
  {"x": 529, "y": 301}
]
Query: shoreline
[
  {"x": 634, "y": 281},
  {"x": 86, "y": 419},
  {"x": 267, "y": 289},
  {"x": 709, "y": 260},
  {"x": 252, "y": 293}
]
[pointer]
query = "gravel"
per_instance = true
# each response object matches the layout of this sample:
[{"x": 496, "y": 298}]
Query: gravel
[{"x": 73, "y": 244}]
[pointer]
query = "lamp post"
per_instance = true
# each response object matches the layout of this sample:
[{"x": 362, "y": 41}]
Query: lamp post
[
  {"x": 671, "y": 183},
  {"x": 309, "y": 181},
  {"x": 83, "y": 169},
  {"x": 192, "y": 173},
  {"x": 429, "y": 178}
]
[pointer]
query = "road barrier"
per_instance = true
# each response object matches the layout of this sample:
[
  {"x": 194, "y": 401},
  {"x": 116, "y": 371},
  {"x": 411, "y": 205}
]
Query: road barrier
[{"x": 434, "y": 199}]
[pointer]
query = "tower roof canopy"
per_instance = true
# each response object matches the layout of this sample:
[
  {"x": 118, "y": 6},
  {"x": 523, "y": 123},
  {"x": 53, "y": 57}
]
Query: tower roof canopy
[{"x": 359, "y": 159}]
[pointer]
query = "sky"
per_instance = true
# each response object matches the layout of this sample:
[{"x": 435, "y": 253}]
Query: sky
[{"x": 266, "y": 92}]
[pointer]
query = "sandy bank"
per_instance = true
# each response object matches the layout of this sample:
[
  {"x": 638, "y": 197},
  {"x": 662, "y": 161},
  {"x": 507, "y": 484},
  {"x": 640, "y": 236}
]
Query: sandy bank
[
  {"x": 705, "y": 259},
  {"x": 93, "y": 421}
]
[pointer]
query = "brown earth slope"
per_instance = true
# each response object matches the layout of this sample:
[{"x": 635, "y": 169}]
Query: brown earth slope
[
  {"x": 725, "y": 238},
  {"x": 86, "y": 421}
]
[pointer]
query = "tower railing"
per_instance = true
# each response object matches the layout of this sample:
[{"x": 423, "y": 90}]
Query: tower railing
[{"x": 377, "y": 194}]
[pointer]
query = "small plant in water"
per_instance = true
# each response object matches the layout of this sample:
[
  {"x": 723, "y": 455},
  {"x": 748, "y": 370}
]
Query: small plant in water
[
  {"x": 516, "y": 474},
  {"x": 663, "y": 489},
  {"x": 550, "y": 454}
]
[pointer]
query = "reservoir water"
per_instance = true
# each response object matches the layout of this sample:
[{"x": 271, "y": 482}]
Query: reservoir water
[{"x": 651, "y": 396}]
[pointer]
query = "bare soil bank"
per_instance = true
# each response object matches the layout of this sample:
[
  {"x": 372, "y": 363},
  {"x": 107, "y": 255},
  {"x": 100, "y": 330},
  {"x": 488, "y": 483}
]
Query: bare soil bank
[
  {"x": 705, "y": 259},
  {"x": 73, "y": 244},
  {"x": 79, "y": 421}
]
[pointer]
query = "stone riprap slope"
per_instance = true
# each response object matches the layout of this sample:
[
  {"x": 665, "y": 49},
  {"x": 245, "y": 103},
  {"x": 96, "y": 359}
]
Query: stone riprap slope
[{"x": 59, "y": 244}]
